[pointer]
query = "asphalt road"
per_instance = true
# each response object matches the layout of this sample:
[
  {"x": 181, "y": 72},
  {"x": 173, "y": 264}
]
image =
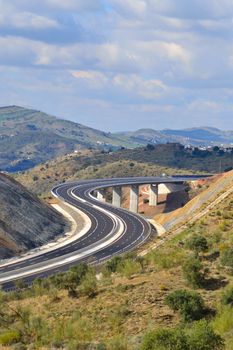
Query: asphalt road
[{"x": 113, "y": 231}]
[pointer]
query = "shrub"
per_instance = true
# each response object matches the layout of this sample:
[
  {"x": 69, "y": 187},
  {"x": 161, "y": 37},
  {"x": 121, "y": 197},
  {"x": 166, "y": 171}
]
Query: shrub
[
  {"x": 164, "y": 339},
  {"x": 227, "y": 296},
  {"x": 192, "y": 271},
  {"x": 9, "y": 338},
  {"x": 130, "y": 267},
  {"x": 202, "y": 337},
  {"x": 166, "y": 259},
  {"x": 89, "y": 285},
  {"x": 227, "y": 258},
  {"x": 197, "y": 243},
  {"x": 189, "y": 304},
  {"x": 117, "y": 343},
  {"x": 113, "y": 264}
]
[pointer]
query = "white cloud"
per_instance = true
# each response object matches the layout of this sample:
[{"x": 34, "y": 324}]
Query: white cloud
[
  {"x": 27, "y": 20},
  {"x": 149, "y": 89},
  {"x": 130, "y": 7},
  {"x": 93, "y": 78}
]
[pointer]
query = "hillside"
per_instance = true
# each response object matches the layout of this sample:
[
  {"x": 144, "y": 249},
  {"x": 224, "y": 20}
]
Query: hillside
[
  {"x": 144, "y": 161},
  {"x": 29, "y": 137},
  {"x": 25, "y": 221},
  {"x": 89, "y": 165},
  {"x": 204, "y": 136},
  {"x": 127, "y": 306}
]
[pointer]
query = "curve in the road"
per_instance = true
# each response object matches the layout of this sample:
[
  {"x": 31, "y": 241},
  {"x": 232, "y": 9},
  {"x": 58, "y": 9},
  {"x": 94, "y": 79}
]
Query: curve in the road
[{"x": 113, "y": 231}]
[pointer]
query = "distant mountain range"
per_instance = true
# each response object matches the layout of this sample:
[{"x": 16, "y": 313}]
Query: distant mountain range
[
  {"x": 202, "y": 136},
  {"x": 29, "y": 137}
]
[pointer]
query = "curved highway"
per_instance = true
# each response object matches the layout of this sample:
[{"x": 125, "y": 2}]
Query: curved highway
[{"x": 112, "y": 231}]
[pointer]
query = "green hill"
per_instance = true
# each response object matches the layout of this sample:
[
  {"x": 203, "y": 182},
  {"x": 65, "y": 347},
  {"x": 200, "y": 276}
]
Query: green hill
[{"x": 144, "y": 161}]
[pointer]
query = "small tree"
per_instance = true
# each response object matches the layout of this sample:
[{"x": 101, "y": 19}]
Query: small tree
[
  {"x": 190, "y": 305},
  {"x": 192, "y": 271},
  {"x": 197, "y": 243},
  {"x": 227, "y": 258}
]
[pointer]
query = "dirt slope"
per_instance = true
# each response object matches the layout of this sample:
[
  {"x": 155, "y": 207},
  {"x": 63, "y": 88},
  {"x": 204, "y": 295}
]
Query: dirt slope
[
  {"x": 25, "y": 221},
  {"x": 214, "y": 188}
]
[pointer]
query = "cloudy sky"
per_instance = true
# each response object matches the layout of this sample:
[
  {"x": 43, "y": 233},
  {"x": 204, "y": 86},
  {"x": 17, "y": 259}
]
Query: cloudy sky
[{"x": 120, "y": 64}]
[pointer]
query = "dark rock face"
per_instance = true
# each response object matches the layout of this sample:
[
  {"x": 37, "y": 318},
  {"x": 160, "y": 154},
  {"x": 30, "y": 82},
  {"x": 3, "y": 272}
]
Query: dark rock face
[{"x": 25, "y": 221}]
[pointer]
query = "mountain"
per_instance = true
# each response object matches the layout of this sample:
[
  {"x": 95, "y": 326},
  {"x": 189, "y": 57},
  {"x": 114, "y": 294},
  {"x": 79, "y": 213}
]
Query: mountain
[
  {"x": 25, "y": 221},
  {"x": 204, "y": 136},
  {"x": 29, "y": 137}
]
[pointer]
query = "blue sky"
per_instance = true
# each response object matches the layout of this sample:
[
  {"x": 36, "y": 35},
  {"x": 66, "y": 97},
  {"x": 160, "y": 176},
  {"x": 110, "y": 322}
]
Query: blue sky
[{"x": 120, "y": 64}]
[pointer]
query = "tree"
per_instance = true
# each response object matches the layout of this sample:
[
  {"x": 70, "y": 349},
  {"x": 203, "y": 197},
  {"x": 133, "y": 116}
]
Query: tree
[
  {"x": 197, "y": 243},
  {"x": 192, "y": 271},
  {"x": 190, "y": 305}
]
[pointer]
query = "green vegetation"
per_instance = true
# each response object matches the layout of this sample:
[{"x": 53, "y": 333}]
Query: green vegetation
[
  {"x": 132, "y": 302},
  {"x": 227, "y": 296},
  {"x": 192, "y": 271},
  {"x": 197, "y": 243},
  {"x": 190, "y": 305},
  {"x": 227, "y": 258},
  {"x": 200, "y": 336}
]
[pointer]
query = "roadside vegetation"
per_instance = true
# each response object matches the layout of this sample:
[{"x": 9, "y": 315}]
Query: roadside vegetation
[{"x": 177, "y": 297}]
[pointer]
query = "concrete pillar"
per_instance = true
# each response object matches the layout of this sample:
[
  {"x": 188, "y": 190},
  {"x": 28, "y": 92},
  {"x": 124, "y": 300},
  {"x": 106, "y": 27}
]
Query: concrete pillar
[
  {"x": 134, "y": 195},
  {"x": 101, "y": 195},
  {"x": 153, "y": 195},
  {"x": 116, "y": 196}
]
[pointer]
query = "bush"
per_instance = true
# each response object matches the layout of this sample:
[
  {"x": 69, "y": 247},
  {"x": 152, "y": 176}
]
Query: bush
[
  {"x": 197, "y": 243},
  {"x": 227, "y": 258},
  {"x": 89, "y": 286},
  {"x": 192, "y": 271},
  {"x": 130, "y": 267},
  {"x": 189, "y": 304},
  {"x": 202, "y": 337},
  {"x": 227, "y": 296},
  {"x": 113, "y": 264},
  {"x": 9, "y": 338},
  {"x": 199, "y": 336},
  {"x": 164, "y": 339}
]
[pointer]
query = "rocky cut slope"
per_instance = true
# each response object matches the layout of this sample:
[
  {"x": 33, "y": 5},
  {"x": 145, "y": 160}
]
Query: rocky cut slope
[{"x": 25, "y": 221}]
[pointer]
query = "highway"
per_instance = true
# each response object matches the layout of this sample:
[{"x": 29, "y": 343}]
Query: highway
[{"x": 112, "y": 231}]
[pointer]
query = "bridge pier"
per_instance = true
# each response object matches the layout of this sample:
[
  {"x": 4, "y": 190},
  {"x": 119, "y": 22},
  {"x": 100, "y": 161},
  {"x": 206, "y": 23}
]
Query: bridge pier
[
  {"x": 134, "y": 195},
  {"x": 116, "y": 196},
  {"x": 153, "y": 195},
  {"x": 101, "y": 193}
]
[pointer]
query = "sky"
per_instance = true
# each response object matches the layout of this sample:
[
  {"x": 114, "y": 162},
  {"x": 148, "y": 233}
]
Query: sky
[{"x": 120, "y": 64}]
